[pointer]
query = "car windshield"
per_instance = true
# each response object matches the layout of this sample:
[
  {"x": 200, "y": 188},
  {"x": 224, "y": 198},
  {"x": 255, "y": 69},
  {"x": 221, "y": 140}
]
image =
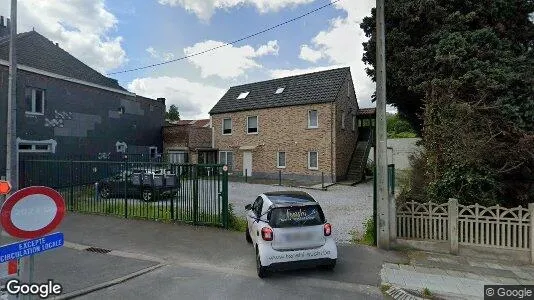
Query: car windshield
[{"x": 296, "y": 216}]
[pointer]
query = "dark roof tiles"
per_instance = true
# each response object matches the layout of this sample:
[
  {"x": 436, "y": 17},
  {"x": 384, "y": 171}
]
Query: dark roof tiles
[
  {"x": 311, "y": 88},
  {"x": 36, "y": 51}
]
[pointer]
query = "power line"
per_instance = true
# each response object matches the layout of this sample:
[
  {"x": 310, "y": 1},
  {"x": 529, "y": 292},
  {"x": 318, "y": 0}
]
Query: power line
[{"x": 229, "y": 43}]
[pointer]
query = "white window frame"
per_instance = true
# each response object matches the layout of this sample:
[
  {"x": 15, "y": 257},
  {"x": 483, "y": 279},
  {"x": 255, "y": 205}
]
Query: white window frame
[
  {"x": 230, "y": 167},
  {"x": 278, "y": 160},
  {"x": 280, "y": 90},
  {"x": 231, "y": 126},
  {"x": 32, "y": 110},
  {"x": 316, "y": 160},
  {"x": 51, "y": 146},
  {"x": 316, "y": 116},
  {"x": 243, "y": 95},
  {"x": 257, "y": 124}
]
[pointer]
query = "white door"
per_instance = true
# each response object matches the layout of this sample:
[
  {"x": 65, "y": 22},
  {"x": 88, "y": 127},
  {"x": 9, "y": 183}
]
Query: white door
[{"x": 247, "y": 163}]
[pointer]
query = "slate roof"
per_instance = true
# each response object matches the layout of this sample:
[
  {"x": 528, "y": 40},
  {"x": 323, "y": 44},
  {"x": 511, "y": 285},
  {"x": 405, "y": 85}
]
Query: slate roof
[
  {"x": 366, "y": 111},
  {"x": 36, "y": 51},
  {"x": 311, "y": 88}
]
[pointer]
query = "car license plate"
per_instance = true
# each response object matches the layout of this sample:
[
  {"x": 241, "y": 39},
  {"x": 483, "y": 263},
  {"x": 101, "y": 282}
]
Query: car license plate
[{"x": 299, "y": 236}]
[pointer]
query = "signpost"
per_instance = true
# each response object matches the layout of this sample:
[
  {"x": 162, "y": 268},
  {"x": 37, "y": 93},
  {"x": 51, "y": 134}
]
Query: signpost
[{"x": 31, "y": 213}]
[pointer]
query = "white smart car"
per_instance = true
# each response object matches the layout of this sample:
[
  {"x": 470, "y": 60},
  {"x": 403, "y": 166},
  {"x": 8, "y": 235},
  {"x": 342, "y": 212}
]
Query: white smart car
[{"x": 288, "y": 230}]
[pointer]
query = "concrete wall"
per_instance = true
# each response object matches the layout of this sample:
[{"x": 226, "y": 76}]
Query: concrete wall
[
  {"x": 280, "y": 129},
  {"x": 84, "y": 121},
  {"x": 345, "y": 138},
  {"x": 400, "y": 152}
]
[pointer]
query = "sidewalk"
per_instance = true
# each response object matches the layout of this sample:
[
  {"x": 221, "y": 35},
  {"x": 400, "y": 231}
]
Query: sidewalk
[{"x": 454, "y": 277}]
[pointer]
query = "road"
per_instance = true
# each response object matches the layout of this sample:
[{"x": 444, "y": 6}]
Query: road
[{"x": 194, "y": 263}]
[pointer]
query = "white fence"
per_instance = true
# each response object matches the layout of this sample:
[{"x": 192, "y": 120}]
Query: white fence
[{"x": 493, "y": 226}]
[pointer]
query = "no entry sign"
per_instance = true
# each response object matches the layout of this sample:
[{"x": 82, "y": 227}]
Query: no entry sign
[{"x": 32, "y": 212}]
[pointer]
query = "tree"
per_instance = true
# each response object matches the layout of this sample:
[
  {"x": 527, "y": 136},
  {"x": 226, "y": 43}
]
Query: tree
[
  {"x": 397, "y": 127},
  {"x": 415, "y": 34},
  {"x": 461, "y": 73},
  {"x": 172, "y": 114}
]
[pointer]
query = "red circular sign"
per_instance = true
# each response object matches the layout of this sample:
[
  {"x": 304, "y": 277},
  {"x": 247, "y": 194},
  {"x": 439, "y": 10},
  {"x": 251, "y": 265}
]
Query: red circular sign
[{"x": 39, "y": 211}]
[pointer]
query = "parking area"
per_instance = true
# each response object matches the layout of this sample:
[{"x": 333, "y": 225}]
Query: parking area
[{"x": 345, "y": 207}]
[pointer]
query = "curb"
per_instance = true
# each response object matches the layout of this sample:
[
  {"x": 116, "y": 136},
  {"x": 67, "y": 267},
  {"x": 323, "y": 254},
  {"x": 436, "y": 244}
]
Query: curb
[{"x": 107, "y": 284}]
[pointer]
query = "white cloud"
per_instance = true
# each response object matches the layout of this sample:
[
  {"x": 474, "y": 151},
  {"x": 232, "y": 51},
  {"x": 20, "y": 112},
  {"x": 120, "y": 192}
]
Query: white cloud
[
  {"x": 152, "y": 52},
  {"x": 194, "y": 100},
  {"x": 83, "y": 28},
  {"x": 230, "y": 61},
  {"x": 341, "y": 45},
  {"x": 204, "y": 9},
  {"x": 166, "y": 56},
  {"x": 307, "y": 53}
]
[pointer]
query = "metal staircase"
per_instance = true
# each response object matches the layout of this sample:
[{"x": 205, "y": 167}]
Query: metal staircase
[{"x": 356, "y": 171}]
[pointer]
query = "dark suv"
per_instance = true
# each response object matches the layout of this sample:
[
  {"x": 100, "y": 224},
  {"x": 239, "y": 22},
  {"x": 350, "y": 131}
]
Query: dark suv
[{"x": 142, "y": 184}]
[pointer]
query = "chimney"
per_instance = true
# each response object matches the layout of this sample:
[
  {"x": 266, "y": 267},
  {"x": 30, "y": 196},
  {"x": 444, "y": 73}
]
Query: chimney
[
  {"x": 162, "y": 100},
  {"x": 4, "y": 28}
]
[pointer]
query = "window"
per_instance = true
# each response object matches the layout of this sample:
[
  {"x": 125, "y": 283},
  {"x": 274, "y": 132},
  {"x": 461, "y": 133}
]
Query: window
[
  {"x": 353, "y": 123},
  {"x": 227, "y": 158},
  {"x": 252, "y": 124},
  {"x": 257, "y": 206},
  {"x": 281, "y": 160},
  {"x": 309, "y": 215},
  {"x": 243, "y": 95},
  {"x": 178, "y": 157},
  {"x": 48, "y": 146},
  {"x": 343, "y": 120},
  {"x": 227, "y": 126},
  {"x": 280, "y": 90},
  {"x": 312, "y": 119},
  {"x": 153, "y": 152},
  {"x": 313, "y": 163},
  {"x": 35, "y": 100}
]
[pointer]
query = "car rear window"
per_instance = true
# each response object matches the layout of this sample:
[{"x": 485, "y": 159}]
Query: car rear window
[{"x": 296, "y": 216}]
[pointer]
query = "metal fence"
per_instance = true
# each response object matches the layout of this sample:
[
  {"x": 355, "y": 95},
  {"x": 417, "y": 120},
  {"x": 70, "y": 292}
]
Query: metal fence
[{"x": 196, "y": 194}]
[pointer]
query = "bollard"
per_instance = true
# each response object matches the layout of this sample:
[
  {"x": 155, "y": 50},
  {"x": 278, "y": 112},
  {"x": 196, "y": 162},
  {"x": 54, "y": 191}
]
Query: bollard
[
  {"x": 322, "y": 180},
  {"x": 246, "y": 175},
  {"x": 280, "y": 177}
]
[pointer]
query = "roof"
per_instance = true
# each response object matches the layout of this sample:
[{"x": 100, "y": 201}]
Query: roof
[
  {"x": 311, "y": 88},
  {"x": 366, "y": 111},
  {"x": 290, "y": 197},
  {"x": 36, "y": 51},
  {"x": 194, "y": 123}
]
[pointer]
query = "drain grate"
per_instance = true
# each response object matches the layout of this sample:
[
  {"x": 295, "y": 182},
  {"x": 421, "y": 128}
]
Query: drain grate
[{"x": 98, "y": 250}]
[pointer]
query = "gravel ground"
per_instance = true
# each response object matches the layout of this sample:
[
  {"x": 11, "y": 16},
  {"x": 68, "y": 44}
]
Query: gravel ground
[{"x": 345, "y": 207}]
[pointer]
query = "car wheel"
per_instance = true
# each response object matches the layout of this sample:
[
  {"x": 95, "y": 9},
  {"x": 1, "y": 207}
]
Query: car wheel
[
  {"x": 147, "y": 195},
  {"x": 104, "y": 192},
  {"x": 329, "y": 266},
  {"x": 262, "y": 271},
  {"x": 247, "y": 237}
]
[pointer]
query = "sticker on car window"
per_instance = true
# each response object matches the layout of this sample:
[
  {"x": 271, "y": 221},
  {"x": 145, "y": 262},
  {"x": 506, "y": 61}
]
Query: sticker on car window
[{"x": 299, "y": 215}]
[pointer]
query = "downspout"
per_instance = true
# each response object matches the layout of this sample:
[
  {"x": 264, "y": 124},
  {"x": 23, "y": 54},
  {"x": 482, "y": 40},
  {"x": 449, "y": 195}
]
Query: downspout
[{"x": 332, "y": 107}]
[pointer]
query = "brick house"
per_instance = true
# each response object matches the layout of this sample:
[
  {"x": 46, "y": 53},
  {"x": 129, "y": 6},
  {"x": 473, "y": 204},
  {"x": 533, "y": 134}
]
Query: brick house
[
  {"x": 304, "y": 125},
  {"x": 189, "y": 141}
]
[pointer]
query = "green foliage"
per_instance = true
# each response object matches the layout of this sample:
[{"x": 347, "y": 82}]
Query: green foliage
[
  {"x": 172, "y": 114},
  {"x": 460, "y": 72},
  {"x": 235, "y": 222},
  {"x": 427, "y": 293},
  {"x": 369, "y": 234},
  {"x": 397, "y": 127}
]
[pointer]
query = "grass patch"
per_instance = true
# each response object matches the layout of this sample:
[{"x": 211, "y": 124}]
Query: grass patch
[
  {"x": 384, "y": 288},
  {"x": 368, "y": 237},
  {"x": 427, "y": 293},
  {"x": 235, "y": 222}
]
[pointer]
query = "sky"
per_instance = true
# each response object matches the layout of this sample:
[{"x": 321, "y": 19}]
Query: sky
[{"x": 112, "y": 36}]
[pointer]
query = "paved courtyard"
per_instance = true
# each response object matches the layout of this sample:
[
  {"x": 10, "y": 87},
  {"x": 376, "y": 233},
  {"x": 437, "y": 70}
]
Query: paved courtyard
[{"x": 345, "y": 207}]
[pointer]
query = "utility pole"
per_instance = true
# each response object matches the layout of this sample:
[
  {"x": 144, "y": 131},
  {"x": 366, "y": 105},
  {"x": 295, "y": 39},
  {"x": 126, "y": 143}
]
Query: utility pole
[
  {"x": 381, "y": 132},
  {"x": 12, "y": 151}
]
